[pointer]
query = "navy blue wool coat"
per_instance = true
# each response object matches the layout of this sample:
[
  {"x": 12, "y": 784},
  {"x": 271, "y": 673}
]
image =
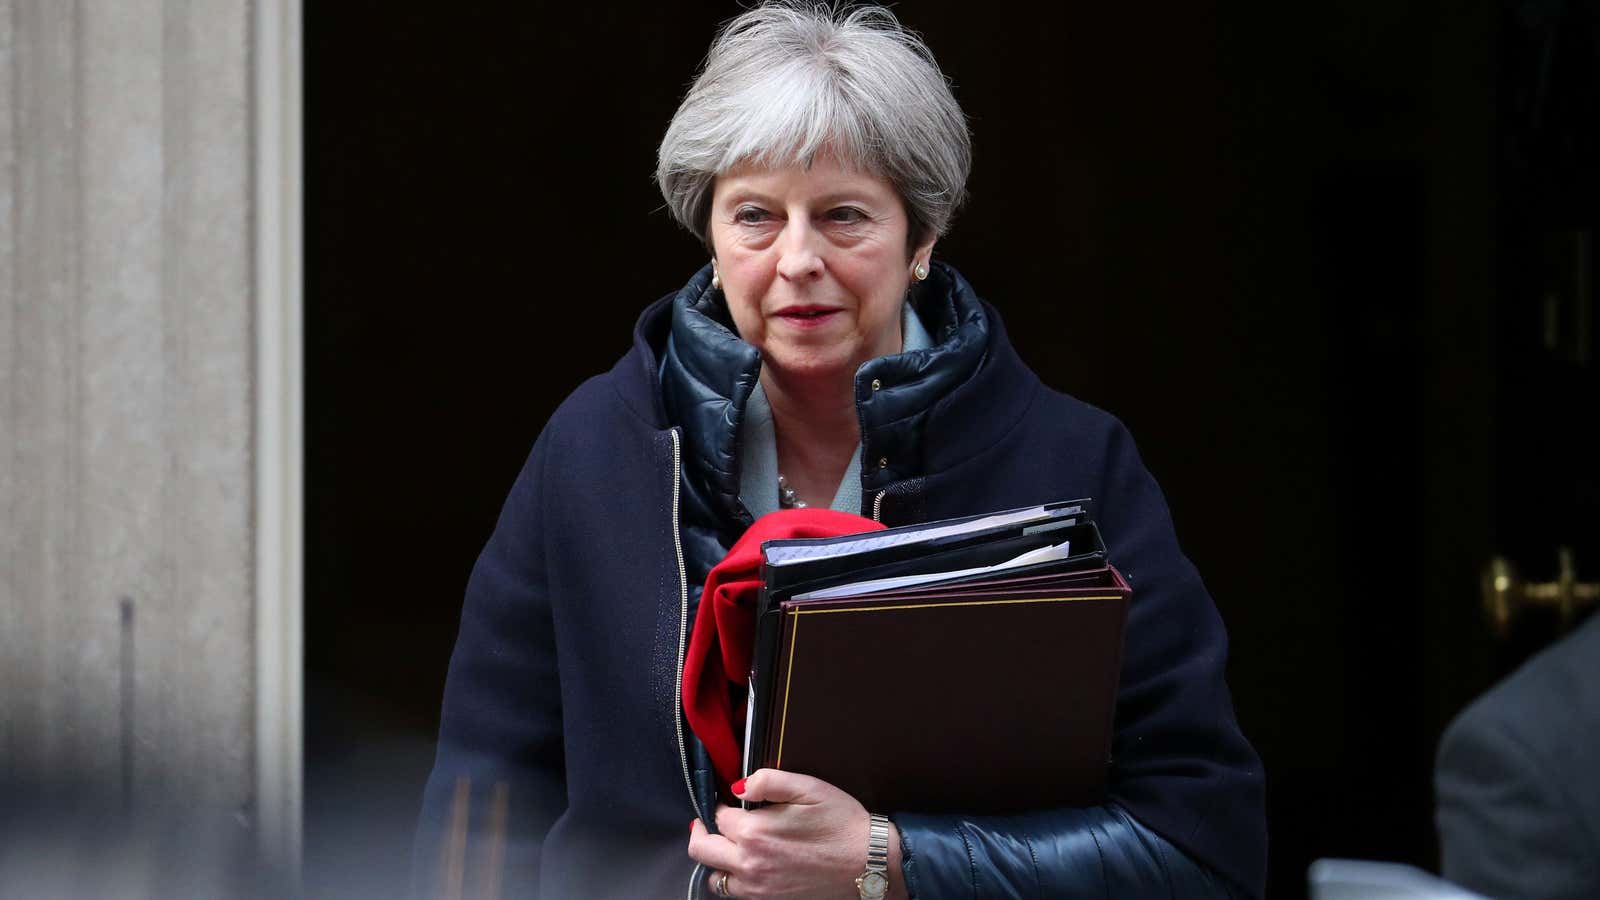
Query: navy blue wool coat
[{"x": 562, "y": 727}]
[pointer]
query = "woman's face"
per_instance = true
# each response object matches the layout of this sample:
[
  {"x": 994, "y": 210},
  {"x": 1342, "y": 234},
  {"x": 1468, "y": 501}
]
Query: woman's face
[{"x": 813, "y": 263}]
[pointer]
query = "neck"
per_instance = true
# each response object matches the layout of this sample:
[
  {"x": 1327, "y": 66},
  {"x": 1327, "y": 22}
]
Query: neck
[{"x": 817, "y": 431}]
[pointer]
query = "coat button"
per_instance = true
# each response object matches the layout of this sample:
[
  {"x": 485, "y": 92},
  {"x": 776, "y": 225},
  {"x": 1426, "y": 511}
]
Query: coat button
[
  {"x": 877, "y": 385},
  {"x": 883, "y": 462}
]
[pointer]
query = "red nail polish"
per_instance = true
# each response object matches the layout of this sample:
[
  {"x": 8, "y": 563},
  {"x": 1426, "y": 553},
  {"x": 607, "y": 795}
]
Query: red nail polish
[
  {"x": 738, "y": 786},
  {"x": 691, "y": 825}
]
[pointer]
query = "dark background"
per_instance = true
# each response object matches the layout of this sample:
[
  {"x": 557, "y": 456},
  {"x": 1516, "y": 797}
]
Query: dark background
[{"x": 1324, "y": 260}]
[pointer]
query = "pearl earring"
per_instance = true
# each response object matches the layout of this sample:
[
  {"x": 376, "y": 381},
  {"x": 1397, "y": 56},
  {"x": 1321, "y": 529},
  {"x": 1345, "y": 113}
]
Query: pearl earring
[
  {"x": 919, "y": 272},
  {"x": 716, "y": 281}
]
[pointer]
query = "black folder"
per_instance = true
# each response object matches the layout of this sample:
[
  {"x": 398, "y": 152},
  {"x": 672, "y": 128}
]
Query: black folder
[{"x": 976, "y": 692}]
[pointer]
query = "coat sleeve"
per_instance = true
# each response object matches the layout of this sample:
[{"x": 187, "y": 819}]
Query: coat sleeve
[
  {"x": 499, "y": 774},
  {"x": 1095, "y": 852},
  {"x": 1185, "y": 815}
]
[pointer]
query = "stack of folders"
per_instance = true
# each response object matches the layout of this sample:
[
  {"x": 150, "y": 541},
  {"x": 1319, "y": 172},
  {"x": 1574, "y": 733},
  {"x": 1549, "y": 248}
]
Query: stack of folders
[{"x": 966, "y": 665}]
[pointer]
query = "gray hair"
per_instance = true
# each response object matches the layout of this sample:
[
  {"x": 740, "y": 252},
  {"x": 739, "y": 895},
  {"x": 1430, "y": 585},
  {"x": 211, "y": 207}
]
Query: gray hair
[{"x": 788, "y": 78}]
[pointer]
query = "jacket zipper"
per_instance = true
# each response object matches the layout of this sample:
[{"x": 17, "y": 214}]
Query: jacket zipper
[
  {"x": 693, "y": 877},
  {"x": 683, "y": 620},
  {"x": 683, "y": 633},
  {"x": 877, "y": 505}
]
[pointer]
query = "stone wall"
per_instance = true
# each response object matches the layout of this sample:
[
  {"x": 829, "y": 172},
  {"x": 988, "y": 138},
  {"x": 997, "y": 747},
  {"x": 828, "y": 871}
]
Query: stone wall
[{"x": 127, "y": 372}]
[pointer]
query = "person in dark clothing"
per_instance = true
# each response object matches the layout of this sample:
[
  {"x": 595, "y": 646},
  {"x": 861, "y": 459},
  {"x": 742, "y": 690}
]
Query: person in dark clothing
[
  {"x": 1517, "y": 792},
  {"x": 824, "y": 358}
]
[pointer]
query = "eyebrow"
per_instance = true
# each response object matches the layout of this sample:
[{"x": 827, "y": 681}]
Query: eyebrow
[{"x": 740, "y": 195}]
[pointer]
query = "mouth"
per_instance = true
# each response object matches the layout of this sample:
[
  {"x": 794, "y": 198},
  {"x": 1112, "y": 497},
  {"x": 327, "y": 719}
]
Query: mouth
[{"x": 808, "y": 316}]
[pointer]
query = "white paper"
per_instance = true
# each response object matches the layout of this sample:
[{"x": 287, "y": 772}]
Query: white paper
[
  {"x": 879, "y": 585},
  {"x": 749, "y": 722},
  {"x": 783, "y": 556}
]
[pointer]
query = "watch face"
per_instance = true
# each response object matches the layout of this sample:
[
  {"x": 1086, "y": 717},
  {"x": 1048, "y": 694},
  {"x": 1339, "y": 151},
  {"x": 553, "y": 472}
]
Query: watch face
[{"x": 874, "y": 884}]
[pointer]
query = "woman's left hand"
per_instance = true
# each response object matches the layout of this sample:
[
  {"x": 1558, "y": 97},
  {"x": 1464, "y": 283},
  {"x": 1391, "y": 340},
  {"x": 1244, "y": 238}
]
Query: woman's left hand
[{"x": 810, "y": 842}]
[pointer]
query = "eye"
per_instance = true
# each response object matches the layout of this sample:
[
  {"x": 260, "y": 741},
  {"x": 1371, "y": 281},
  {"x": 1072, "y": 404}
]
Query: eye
[
  {"x": 846, "y": 215},
  {"x": 750, "y": 215}
]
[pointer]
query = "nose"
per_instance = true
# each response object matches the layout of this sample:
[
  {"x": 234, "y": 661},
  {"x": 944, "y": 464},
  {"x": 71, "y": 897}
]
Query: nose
[{"x": 798, "y": 256}]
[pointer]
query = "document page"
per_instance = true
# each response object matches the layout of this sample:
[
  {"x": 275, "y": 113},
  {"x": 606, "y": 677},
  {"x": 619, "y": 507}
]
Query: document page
[
  {"x": 879, "y": 585},
  {"x": 749, "y": 726},
  {"x": 873, "y": 540}
]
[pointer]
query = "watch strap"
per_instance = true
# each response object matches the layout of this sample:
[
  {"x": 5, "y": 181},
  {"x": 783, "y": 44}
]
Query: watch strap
[
  {"x": 873, "y": 884},
  {"x": 878, "y": 844}
]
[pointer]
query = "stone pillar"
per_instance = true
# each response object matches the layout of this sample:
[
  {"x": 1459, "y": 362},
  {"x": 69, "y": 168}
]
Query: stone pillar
[{"x": 132, "y": 318}]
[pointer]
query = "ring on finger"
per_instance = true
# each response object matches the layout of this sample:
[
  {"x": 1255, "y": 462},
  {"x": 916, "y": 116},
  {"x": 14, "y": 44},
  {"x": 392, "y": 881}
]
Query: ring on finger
[{"x": 722, "y": 885}]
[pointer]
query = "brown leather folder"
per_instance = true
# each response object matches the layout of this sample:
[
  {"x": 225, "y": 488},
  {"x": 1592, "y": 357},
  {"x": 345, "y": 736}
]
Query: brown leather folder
[{"x": 980, "y": 697}]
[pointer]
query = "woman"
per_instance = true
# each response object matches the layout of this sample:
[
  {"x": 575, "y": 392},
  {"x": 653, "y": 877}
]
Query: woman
[{"x": 821, "y": 358}]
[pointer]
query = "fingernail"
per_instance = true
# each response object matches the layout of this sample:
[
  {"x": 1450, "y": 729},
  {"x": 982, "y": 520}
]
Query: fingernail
[
  {"x": 738, "y": 786},
  {"x": 691, "y": 825}
]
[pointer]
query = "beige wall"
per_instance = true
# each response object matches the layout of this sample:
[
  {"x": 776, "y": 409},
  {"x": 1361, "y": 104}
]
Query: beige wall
[{"x": 129, "y": 329}]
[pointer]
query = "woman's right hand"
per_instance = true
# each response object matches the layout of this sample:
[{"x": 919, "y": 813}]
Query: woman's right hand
[{"x": 809, "y": 841}]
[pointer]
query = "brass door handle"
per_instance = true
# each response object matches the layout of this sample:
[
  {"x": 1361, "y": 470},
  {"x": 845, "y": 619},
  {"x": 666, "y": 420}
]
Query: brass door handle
[{"x": 1505, "y": 595}]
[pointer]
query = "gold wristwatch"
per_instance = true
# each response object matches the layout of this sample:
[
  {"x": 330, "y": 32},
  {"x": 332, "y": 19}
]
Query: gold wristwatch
[{"x": 874, "y": 882}]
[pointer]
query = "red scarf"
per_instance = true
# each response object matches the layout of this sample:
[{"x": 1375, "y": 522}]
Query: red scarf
[{"x": 724, "y": 627}]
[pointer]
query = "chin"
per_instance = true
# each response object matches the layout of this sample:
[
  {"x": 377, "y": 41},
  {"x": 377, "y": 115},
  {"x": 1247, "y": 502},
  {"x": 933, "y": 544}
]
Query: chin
[{"x": 811, "y": 366}]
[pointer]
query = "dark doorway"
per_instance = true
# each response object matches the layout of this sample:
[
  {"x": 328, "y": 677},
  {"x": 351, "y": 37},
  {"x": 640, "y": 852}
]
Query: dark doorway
[{"x": 1295, "y": 249}]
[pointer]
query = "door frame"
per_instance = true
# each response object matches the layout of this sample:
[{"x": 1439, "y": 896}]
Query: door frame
[{"x": 276, "y": 167}]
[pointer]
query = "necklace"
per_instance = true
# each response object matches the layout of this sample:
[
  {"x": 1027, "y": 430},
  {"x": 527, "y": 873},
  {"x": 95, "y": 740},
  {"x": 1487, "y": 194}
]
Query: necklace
[{"x": 787, "y": 499}]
